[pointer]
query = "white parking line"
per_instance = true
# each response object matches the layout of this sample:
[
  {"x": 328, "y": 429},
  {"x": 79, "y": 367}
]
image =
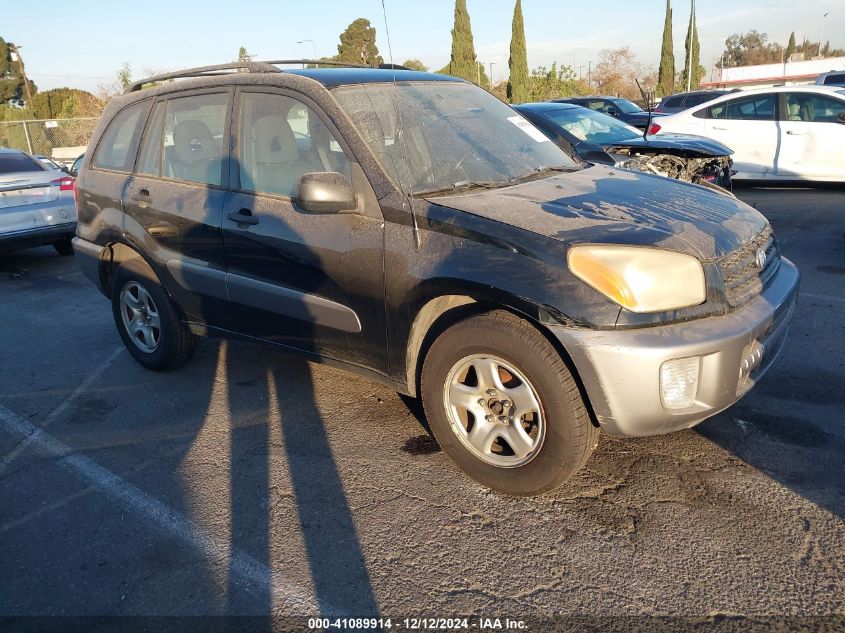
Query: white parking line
[
  {"x": 252, "y": 575},
  {"x": 9, "y": 457},
  {"x": 823, "y": 297}
]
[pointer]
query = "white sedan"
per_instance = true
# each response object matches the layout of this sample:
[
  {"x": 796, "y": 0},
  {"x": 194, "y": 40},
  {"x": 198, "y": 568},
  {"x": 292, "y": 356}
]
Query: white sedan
[{"x": 782, "y": 133}]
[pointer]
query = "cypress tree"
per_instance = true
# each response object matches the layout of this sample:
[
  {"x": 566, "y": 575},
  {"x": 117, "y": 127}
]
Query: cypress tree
[
  {"x": 692, "y": 63},
  {"x": 518, "y": 61},
  {"x": 666, "y": 72},
  {"x": 463, "y": 63},
  {"x": 358, "y": 44},
  {"x": 790, "y": 48}
]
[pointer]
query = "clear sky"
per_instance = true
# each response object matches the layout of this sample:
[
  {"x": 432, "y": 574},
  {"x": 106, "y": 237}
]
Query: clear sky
[{"x": 82, "y": 44}]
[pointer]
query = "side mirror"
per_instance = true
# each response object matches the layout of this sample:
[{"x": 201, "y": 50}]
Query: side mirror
[
  {"x": 324, "y": 192},
  {"x": 64, "y": 169}
]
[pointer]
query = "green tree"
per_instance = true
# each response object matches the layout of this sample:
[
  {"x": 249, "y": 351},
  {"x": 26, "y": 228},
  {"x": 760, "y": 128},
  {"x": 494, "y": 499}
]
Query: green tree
[
  {"x": 12, "y": 89},
  {"x": 463, "y": 62},
  {"x": 358, "y": 44},
  {"x": 552, "y": 83},
  {"x": 415, "y": 64},
  {"x": 124, "y": 76},
  {"x": 790, "y": 47},
  {"x": 666, "y": 71},
  {"x": 61, "y": 103},
  {"x": 243, "y": 56},
  {"x": 692, "y": 62},
  {"x": 518, "y": 60}
]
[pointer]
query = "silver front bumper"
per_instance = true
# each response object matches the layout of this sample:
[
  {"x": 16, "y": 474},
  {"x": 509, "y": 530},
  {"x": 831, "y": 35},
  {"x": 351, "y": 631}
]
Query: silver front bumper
[{"x": 620, "y": 369}]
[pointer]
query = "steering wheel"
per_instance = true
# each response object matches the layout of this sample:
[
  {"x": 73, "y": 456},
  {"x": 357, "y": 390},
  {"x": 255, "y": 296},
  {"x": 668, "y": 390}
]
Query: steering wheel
[{"x": 440, "y": 165}]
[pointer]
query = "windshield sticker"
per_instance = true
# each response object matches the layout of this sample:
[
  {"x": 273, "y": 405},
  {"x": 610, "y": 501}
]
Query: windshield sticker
[{"x": 530, "y": 130}]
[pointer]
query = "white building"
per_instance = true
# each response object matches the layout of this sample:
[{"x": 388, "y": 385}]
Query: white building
[{"x": 767, "y": 75}]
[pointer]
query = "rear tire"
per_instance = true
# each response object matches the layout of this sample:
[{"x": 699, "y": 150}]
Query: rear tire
[
  {"x": 147, "y": 319},
  {"x": 540, "y": 430},
  {"x": 63, "y": 247}
]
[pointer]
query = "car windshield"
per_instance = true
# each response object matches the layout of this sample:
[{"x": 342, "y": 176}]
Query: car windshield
[
  {"x": 437, "y": 135},
  {"x": 591, "y": 126},
  {"x": 628, "y": 107},
  {"x": 12, "y": 162}
]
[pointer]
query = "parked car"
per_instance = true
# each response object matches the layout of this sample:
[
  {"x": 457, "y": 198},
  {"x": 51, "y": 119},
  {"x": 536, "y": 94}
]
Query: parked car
[
  {"x": 431, "y": 238},
  {"x": 683, "y": 100},
  {"x": 832, "y": 78},
  {"x": 781, "y": 133},
  {"x": 49, "y": 163},
  {"x": 36, "y": 204},
  {"x": 597, "y": 138},
  {"x": 622, "y": 109}
]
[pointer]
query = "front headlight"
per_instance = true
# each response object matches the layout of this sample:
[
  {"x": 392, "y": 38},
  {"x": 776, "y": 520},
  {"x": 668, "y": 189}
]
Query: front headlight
[{"x": 638, "y": 278}]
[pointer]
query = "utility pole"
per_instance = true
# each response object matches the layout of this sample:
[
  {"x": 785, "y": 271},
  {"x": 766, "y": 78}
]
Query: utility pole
[
  {"x": 23, "y": 74},
  {"x": 590, "y": 74},
  {"x": 313, "y": 47},
  {"x": 491, "y": 76}
]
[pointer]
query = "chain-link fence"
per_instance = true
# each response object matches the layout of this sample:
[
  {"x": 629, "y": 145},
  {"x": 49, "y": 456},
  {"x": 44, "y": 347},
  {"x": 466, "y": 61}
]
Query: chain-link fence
[{"x": 60, "y": 139}]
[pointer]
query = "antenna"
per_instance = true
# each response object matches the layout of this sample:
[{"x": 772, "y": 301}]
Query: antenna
[{"x": 408, "y": 197}]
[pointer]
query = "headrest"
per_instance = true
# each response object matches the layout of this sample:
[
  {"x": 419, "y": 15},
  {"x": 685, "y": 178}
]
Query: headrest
[
  {"x": 794, "y": 109},
  {"x": 274, "y": 141},
  {"x": 192, "y": 140}
]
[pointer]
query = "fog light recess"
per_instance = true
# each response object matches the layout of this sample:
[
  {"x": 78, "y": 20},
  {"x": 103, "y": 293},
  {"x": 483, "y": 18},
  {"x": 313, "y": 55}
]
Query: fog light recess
[{"x": 679, "y": 382}]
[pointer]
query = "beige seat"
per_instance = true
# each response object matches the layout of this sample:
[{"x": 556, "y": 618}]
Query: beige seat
[
  {"x": 196, "y": 156},
  {"x": 274, "y": 163}
]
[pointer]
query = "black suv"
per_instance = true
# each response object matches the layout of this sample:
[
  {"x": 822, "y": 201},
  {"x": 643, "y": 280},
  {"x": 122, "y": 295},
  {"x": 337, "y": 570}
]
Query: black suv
[{"x": 413, "y": 228}]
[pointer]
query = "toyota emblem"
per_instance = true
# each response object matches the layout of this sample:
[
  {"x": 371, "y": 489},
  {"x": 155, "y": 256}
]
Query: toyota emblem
[{"x": 760, "y": 259}]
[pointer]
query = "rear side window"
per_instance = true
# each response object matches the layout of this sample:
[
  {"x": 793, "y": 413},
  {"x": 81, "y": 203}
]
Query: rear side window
[
  {"x": 835, "y": 79},
  {"x": 812, "y": 108},
  {"x": 753, "y": 108},
  {"x": 11, "y": 162},
  {"x": 116, "y": 149},
  {"x": 672, "y": 102},
  {"x": 694, "y": 100},
  {"x": 192, "y": 139}
]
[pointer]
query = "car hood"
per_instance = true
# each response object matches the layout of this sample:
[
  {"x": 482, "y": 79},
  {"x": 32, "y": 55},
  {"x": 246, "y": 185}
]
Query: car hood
[
  {"x": 699, "y": 145},
  {"x": 605, "y": 204}
]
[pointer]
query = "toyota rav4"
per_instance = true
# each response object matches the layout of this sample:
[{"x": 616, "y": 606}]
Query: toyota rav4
[{"x": 413, "y": 228}]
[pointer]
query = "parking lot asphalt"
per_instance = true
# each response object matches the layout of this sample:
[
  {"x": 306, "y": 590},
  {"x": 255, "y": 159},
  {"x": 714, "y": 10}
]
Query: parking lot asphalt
[{"x": 251, "y": 483}]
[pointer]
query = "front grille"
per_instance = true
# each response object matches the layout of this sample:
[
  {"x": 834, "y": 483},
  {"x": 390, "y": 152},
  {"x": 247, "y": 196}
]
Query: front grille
[{"x": 742, "y": 278}]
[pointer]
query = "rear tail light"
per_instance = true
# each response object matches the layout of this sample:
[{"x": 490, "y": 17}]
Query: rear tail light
[
  {"x": 654, "y": 128},
  {"x": 65, "y": 183}
]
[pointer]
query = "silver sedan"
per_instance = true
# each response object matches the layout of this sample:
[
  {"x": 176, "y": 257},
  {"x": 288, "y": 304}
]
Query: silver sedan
[{"x": 36, "y": 204}]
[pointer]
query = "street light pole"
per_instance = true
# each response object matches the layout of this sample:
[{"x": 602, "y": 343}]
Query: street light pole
[
  {"x": 689, "y": 56},
  {"x": 821, "y": 37},
  {"x": 491, "y": 75}
]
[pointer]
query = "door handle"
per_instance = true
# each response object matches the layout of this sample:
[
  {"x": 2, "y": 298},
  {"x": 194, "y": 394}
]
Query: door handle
[
  {"x": 794, "y": 133},
  {"x": 142, "y": 195},
  {"x": 243, "y": 216}
]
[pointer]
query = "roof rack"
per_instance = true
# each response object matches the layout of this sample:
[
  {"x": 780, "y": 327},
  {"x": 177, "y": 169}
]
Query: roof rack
[{"x": 250, "y": 67}]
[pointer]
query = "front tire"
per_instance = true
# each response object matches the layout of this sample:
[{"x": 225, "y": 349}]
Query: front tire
[
  {"x": 147, "y": 319},
  {"x": 503, "y": 405}
]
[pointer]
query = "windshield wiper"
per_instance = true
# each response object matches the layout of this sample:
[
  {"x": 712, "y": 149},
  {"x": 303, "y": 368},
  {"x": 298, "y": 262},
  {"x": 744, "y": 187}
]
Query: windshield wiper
[{"x": 463, "y": 185}]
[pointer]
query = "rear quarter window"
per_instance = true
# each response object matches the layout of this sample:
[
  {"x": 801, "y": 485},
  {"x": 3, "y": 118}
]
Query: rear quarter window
[
  {"x": 672, "y": 102},
  {"x": 839, "y": 78},
  {"x": 117, "y": 147}
]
